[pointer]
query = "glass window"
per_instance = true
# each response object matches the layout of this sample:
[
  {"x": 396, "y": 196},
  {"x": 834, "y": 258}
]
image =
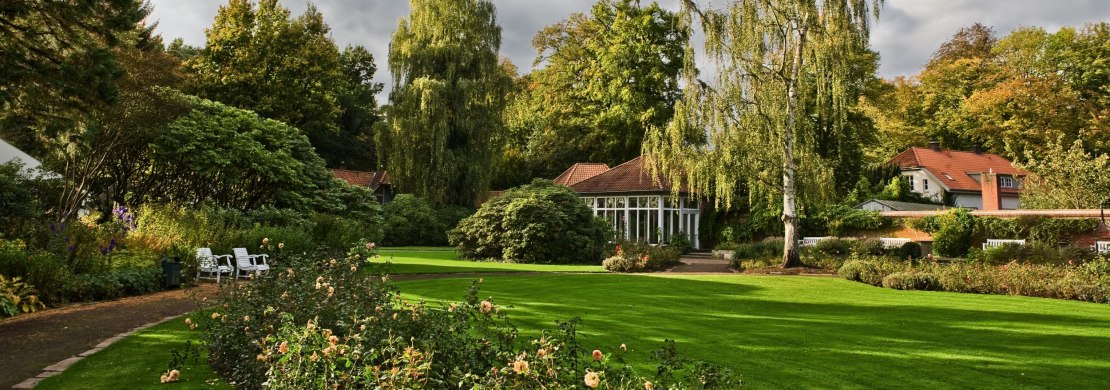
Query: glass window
[
  {"x": 620, "y": 202},
  {"x": 1006, "y": 181},
  {"x": 653, "y": 202},
  {"x": 925, "y": 184}
]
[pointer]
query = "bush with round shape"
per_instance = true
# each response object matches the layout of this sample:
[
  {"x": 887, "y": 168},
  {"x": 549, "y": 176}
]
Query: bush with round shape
[
  {"x": 852, "y": 269},
  {"x": 411, "y": 220},
  {"x": 619, "y": 264},
  {"x": 834, "y": 247},
  {"x": 868, "y": 247},
  {"x": 540, "y": 222},
  {"x": 909, "y": 251}
]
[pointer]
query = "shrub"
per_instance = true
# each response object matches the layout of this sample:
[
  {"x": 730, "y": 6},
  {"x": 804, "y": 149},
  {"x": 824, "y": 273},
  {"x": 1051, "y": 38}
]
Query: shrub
[
  {"x": 47, "y": 272},
  {"x": 834, "y": 247},
  {"x": 911, "y": 281},
  {"x": 852, "y": 269},
  {"x": 637, "y": 257},
  {"x": 541, "y": 222},
  {"x": 909, "y": 251},
  {"x": 868, "y": 247},
  {"x": 868, "y": 270},
  {"x": 953, "y": 237},
  {"x": 619, "y": 264},
  {"x": 17, "y": 297},
  {"x": 840, "y": 219},
  {"x": 410, "y": 220},
  {"x": 324, "y": 324},
  {"x": 681, "y": 242}
]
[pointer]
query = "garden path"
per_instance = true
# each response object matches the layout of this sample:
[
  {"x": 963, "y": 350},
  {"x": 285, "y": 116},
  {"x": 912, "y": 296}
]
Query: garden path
[
  {"x": 30, "y": 342},
  {"x": 701, "y": 263}
]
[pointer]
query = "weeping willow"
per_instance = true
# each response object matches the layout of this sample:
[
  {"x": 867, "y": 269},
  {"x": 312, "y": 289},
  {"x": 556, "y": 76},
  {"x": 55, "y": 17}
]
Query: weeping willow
[
  {"x": 778, "y": 66},
  {"x": 445, "y": 106}
]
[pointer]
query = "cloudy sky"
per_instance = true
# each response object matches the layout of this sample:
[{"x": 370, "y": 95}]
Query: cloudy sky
[{"x": 907, "y": 32}]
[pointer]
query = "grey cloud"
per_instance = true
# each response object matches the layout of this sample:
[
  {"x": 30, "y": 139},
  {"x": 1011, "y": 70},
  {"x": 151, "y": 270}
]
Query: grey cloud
[{"x": 907, "y": 32}]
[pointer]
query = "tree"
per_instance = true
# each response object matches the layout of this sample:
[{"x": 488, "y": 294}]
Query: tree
[
  {"x": 609, "y": 76},
  {"x": 56, "y": 64},
  {"x": 747, "y": 126},
  {"x": 1066, "y": 178},
  {"x": 284, "y": 68},
  {"x": 446, "y": 102},
  {"x": 353, "y": 146}
]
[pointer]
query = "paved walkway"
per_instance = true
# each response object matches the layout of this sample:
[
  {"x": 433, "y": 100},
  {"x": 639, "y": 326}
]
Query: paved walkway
[
  {"x": 30, "y": 342},
  {"x": 701, "y": 263}
]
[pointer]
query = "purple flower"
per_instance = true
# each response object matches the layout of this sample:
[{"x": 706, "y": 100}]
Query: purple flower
[
  {"x": 72, "y": 248},
  {"x": 53, "y": 229},
  {"x": 104, "y": 251},
  {"x": 112, "y": 244}
]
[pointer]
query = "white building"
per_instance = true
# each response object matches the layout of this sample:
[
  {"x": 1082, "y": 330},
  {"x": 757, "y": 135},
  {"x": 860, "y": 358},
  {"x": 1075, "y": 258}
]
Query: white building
[
  {"x": 972, "y": 179},
  {"x": 637, "y": 207}
]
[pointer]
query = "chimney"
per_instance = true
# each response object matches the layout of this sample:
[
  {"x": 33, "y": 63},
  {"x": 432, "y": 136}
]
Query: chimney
[
  {"x": 977, "y": 149},
  {"x": 992, "y": 200},
  {"x": 934, "y": 145}
]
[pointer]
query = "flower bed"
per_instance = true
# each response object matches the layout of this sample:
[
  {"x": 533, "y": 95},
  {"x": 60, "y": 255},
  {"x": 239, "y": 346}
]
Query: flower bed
[{"x": 331, "y": 323}]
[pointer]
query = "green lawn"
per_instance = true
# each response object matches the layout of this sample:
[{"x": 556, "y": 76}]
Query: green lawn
[
  {"x": 806, "y": 332},
  {"x": 138, "y": 362},
  {"x": 430, "y": 260}
]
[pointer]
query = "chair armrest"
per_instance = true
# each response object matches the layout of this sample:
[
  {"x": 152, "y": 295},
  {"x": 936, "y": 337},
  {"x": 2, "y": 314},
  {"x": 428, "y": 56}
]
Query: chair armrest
[
  {"x": 254, "y": 259},
  {"x": 228, "y": 258}
]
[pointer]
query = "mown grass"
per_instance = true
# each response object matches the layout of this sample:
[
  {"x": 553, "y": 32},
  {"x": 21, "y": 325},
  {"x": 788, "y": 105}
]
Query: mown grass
[
  {"x": 432, "y": 260},
  {"x": 138, "y": 361},
  {"x": 816, "y": 332}
]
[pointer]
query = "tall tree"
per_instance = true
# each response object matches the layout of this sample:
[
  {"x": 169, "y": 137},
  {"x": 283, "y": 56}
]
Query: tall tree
[
  {"x": 353, "y": 146},
  {"x": 747, "y": 125},
  {"x": 284, "y": 68},
  {"x": 608, "y": 76},
  {"x": 446, "y": 102},
  {"x": 56, "y": 63},
  {"x": 1066, "y": 178}
]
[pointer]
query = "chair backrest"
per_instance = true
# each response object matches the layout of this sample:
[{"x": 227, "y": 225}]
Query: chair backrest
[
  {"x": 890, "y": 242},
  {"x": 205, "y": 258},
  {"x": 242, "y": 258},
  {"x": 810, "y": 241},
  {"x": 991, "y": 243}
]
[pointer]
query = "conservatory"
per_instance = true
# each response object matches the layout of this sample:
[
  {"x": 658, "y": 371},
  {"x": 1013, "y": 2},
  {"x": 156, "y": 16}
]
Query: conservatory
[{"x": 637, "y": 207}]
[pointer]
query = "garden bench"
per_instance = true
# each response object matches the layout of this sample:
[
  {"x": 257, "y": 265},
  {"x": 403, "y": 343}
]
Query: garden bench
[
  {"x": 811, "y": 241},
  {"x": 246, "y": 264},
  {"x": 212, "y": 265},
  {"x": 1101, "y": 247},
  {"x": 992, "y": 243},
  {"x": 891, "y": 242}
]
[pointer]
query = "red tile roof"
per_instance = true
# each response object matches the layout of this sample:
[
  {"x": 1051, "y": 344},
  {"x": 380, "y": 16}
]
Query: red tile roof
[
  {"x": 370, "y": 179},
  {"x": 579, "y": 172},
  {"x": 954, "y": 168},
  {"x": 630, "y": 176}
]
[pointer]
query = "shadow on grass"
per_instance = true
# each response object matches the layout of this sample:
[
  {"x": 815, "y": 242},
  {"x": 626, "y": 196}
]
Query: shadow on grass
[{"x": 816, "y": 332}]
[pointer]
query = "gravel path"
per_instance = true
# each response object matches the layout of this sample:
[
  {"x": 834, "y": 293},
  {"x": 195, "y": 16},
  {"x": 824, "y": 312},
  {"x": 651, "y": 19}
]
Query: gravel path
[
  {"x": 30, "y": 342},
  {"x": 701, "y": 263}
]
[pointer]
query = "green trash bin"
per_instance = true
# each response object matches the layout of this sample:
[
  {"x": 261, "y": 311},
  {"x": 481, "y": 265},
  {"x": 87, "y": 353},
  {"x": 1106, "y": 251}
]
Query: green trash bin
[{"x": 171, "y": 272}]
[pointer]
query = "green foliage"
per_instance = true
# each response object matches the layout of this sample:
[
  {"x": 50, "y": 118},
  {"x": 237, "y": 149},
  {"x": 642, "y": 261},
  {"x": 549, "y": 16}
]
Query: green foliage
[
  {"x": 1070, "y": 178},
  {"x": 909, "y": 251},
  {"x": 411, "y": 221},
  {"x": 841, "y": 219},
  {"x": 581, "y": 106},
  {"x": 57, "y": 62},
  {"x": 325, "y": 323},
  {"x": 1032, "y": 253},
  {"x": 954, "y": 233},
  {"x": 911, "y": 281},
  {"x": 834, "y": 247},
  {"x": 869, "y": 270},
  {"x": 258, "y": 58},
  {"x": 868, "y": 247},
  {"x": 17, "y": 297},
  {"x": 768, "y": 248},
  {"x": 24, "y": 201},
  {"x": 446, "y": 101},
  {"x": 681, "y": 242},
  {"x": 541, "y": 222}
]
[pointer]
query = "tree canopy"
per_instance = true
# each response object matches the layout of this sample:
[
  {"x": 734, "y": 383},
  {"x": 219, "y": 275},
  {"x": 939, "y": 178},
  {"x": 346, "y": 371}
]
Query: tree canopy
[
  {"x": 784, "y": 75},
  {"x": 446, "y": 102}
]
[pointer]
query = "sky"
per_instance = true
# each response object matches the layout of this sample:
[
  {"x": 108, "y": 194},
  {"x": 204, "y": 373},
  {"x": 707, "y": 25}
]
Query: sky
[{"x": 906, "y": 34}]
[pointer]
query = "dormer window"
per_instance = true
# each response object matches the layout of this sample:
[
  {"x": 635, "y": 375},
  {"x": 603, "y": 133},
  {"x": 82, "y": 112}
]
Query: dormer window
[{"x": 1006, "y": 182}]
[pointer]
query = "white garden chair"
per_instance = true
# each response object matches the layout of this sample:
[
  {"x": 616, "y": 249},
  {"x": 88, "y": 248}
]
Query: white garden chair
[
  {"x": 246, "y": 264},
  {"x": 1102, "y": 247},
  {"x": 993, "y": 243},
  {"x": 209, "y": 264}
]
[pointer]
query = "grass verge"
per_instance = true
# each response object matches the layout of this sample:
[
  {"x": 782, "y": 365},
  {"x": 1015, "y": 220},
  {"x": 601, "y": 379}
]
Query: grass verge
[
  {"x": 137, "y": 362},
  {"x": 424, "y": 260}
]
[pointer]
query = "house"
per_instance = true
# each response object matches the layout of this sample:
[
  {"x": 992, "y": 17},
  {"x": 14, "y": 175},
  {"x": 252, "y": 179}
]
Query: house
[
  {"x": 377, "y": 181},
  {"x": 9, "y": 153},
  {"x": 638, "y": 207},
  {"x": 894, "y": 205},
  {"x": 970, "y": 179}
]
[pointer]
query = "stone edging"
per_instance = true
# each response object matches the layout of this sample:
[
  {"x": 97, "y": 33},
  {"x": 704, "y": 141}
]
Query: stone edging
[{"x": 59, "y": 367}]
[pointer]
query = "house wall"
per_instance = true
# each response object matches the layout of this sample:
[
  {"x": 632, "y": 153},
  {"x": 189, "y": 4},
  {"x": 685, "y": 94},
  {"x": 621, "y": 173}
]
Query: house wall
[
  {"x": 935, "y": 191},
  {"x": 971, "y": 201}
]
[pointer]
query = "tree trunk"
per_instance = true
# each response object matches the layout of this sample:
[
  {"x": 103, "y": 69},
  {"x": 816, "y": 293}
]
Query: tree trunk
[{"x": 790, "y": 257}]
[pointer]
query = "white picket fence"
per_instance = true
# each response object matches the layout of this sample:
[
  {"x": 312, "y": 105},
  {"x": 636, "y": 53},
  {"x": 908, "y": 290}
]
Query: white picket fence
[{"x": 889, "y": 242}]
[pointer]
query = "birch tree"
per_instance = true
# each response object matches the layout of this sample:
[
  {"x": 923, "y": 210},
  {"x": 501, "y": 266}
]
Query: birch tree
[{"x": 745, "y": 126}]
